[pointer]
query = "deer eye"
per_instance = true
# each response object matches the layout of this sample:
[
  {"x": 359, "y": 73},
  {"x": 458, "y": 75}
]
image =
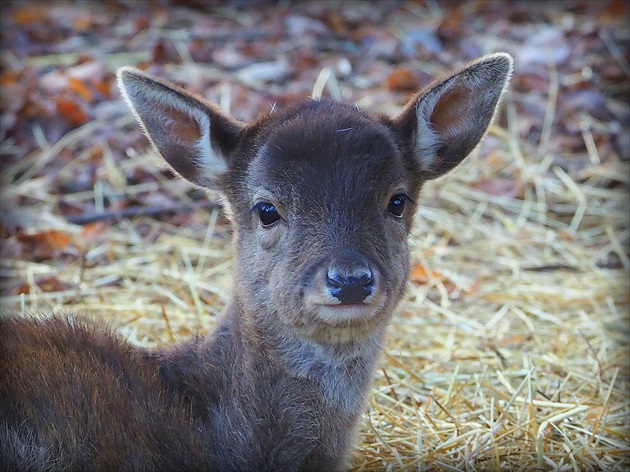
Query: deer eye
[
  {"x": 396, "y": 205},
  {"x": 267, "y": 213}
]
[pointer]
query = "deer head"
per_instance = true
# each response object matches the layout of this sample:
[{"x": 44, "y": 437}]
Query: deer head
[{"x": 321, "y": 195}]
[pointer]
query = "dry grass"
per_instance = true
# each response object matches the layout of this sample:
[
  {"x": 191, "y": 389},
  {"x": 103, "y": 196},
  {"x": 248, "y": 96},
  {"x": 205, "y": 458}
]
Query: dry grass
[{"x": 510, "y": 351}]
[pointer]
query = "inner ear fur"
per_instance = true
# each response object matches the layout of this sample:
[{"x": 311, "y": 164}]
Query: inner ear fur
[
  {"x": 443, "y": 123},
  {"x": 193, "y": 135}
]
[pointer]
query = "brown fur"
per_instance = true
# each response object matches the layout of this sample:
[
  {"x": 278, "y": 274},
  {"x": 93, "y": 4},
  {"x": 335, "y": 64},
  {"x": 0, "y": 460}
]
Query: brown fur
[{"x": 281, "y": 383}]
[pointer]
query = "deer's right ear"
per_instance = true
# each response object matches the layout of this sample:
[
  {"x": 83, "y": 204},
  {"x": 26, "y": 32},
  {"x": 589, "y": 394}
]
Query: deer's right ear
[
  {"x": 193, "y": 136},
  {"x": 445, "y": 122}
]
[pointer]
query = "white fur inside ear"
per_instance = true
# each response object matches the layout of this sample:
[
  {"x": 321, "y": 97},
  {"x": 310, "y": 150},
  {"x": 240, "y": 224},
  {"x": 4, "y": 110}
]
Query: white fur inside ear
[
  {"x": 456, "y": 113},
  {"x": 427, "y": 139},
  {"x": 209, "y": 160},
  {"x": 166, "y": 116}
]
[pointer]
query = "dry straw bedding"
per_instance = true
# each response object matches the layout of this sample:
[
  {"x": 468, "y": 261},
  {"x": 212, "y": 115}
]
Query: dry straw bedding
[{"x": 509, "y": 352}]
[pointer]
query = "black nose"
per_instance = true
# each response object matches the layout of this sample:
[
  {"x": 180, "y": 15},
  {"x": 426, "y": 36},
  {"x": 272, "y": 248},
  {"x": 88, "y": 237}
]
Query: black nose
[{"x": 351, "y": 287}]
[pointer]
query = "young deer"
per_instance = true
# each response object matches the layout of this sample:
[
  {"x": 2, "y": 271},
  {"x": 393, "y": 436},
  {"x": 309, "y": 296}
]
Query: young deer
[{"x": 321, "y": 197}]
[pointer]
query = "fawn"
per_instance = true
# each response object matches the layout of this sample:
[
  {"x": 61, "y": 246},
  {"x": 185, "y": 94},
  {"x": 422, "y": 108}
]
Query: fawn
[{"x": 321, "y": 197}]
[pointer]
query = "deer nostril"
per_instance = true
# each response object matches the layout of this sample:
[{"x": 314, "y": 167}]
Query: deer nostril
[{"x": 353, "y": 288}]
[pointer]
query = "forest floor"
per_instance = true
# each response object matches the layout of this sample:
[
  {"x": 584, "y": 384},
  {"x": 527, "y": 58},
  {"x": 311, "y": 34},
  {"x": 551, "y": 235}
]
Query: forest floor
[{"x": 511, "y": 348}]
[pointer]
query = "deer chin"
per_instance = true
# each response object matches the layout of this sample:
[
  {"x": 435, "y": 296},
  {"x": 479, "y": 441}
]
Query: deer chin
[
  {"x": 346, "y": 323},
  {"x": 348, "y": 315},
  {"x": 362, "y": 324}
]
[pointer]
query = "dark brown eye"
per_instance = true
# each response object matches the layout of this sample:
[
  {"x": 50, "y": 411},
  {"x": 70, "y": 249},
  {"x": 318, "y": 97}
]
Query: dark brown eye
[
  {"x": 396, "y": 205},
  {"x": 267, "y": 213}
]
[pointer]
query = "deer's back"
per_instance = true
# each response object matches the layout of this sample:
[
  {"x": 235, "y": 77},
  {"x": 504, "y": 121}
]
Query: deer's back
[
  {"x": 73, "y": 392},
  {"x": 74, "y": 396}
]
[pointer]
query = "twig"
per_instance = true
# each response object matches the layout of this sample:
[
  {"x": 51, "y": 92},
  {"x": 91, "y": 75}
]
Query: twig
[
  {"x": 550, "y": 110},
  {"x": 541, "y": 432},
  {"x": 614, "y": 50}
]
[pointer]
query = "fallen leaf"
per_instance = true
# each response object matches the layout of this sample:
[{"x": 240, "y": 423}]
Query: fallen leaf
[
  {"x": 336, "y": 23},
  {"x": 94, "y": 232},
  {"x": 42, "y": 245},
  {"x": 158, "y": 53},
  {"x": 82, "y": 23},
  {"x": 104, "y": 87},
  {"x": 402, "y": 80},
  {"x": 28, "y": 14},
  {"x": 79, "y": 87},
  {"x": 420, "y": 275},
  {"x": 45, "y": 284},
  {"x": 613, "y": 11},
  {"x": 8, "y": 77},
  {"x": 71, "y": 111},
  {"x": 54, "y": 238}
]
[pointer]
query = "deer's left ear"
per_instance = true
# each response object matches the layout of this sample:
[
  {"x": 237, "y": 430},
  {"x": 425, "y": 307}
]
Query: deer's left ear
[
  {"x": 194, "y": 136},
  {"x": 445, "y": 122}
]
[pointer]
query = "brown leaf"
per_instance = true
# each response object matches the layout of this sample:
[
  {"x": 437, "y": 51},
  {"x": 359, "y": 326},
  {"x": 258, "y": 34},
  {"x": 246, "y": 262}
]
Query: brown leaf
[
  {"x": 336, "y": 23},
  {"x": 82, "y": 23},
  {"x": 8, "y": 77},
  {"x": 27, "y": 14},
  {"x": 420, "y": 275},
  {"x": 451, "y": 25},
  {"x": 94, "y": 233},
  {"x": 104, "y": 87},
  {"x": 45, "y": 284},
  {"x": 158, "y": 54},
  {"x": 614, "y": 11},
  {"x": 141, "y": 23},
  {"x": 54, "y": 238},
  {"x": 43, "y": 245},
  {"x": 79, "y": 87},
  {"x": 71, "y": 111},
  {"x": 402, "y": 80},
  {"x": 51, "y": 284}
]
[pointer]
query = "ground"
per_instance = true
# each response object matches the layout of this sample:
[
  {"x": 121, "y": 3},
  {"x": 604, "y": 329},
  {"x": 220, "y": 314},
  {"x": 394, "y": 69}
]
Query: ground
[{"x": 510, "y": 351}]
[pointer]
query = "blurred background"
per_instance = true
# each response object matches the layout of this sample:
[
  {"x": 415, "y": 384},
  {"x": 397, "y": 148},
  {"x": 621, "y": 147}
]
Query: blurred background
[
  {"x": 58, "y": 61},
  {"x": 511, "y": 348}
]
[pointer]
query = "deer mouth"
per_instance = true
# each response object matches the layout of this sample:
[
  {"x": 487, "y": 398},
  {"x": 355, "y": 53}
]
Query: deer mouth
[
  {"x": 348, "y": 323},
  {"x": 345, "y": 315}
]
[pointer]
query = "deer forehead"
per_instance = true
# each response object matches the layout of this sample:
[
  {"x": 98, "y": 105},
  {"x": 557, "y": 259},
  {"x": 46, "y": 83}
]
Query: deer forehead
[{"x": 328, "y": 151}]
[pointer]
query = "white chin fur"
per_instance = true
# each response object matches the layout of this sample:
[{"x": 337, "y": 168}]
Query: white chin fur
[{"x": 343, "y": 314}]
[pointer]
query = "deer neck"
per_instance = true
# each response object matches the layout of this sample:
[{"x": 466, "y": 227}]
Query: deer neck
[{"x": 339, "y": 372}]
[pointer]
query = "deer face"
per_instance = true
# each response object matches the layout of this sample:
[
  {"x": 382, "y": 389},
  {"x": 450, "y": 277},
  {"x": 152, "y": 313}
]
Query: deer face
[
  {"x": 323, "y": 209},
  {"x": 321, "y": 195}
]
